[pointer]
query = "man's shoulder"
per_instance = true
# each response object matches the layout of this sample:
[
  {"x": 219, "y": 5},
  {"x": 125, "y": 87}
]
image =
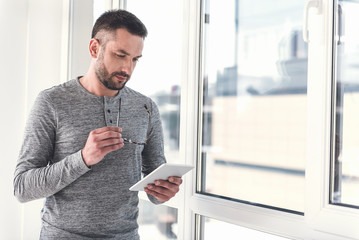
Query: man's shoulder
[
  {"x": 61, "y": 87},
  {"x": 60, "y": 91}
]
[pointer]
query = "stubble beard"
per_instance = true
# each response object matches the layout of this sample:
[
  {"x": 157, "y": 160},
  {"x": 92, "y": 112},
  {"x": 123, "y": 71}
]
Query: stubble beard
[{"x": 107, "y": 79}]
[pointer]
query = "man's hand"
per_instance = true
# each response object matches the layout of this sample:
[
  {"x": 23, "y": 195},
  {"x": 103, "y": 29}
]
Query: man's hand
[
  {"x": 100, "y": 142},
  {"x": 164, "y": 190}
]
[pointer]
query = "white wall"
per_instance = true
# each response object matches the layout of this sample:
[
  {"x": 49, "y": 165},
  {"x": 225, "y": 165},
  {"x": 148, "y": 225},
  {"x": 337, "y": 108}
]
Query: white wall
[
  {"x": 30, "y": 62},
  {"x": 13, "y": 15}
]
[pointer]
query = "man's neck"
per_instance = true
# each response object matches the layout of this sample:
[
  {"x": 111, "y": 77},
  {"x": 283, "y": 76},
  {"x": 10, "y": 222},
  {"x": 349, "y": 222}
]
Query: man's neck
[{"x": 94, "y": 86}]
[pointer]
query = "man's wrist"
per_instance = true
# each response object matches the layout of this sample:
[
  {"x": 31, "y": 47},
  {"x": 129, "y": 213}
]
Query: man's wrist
[{"x": 84, "y": 161}]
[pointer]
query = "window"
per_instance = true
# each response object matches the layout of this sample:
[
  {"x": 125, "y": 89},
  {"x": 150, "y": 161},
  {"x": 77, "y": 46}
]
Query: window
[
  {"x": 254, "y": 103},
  {"x": 157, "y": 222},
  {"x": 158, "y": 75},
  {"x": 345, "y": 164},
  {"x": 328, "y": 206},
  {"x": 317, "y": 147}
]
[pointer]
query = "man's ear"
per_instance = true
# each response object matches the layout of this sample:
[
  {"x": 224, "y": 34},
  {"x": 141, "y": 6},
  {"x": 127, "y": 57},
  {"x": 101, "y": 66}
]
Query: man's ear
[{"x": 94, "y": 47}]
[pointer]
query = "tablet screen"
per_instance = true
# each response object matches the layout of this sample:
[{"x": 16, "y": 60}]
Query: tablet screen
[{"x": 163, "y": 172}]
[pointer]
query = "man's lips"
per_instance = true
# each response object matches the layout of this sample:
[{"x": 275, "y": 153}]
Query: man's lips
[{"x": 121, "y": 78}]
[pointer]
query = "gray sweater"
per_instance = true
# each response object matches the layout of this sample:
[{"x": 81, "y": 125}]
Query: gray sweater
[{"x": 82, "y": 202}]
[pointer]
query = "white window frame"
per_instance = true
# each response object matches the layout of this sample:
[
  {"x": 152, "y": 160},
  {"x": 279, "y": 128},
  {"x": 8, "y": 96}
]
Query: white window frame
[
  {"x": 320, "y": 214},
  {"x": 321, "y": 220},
  {"x": 179, "y": 202}
]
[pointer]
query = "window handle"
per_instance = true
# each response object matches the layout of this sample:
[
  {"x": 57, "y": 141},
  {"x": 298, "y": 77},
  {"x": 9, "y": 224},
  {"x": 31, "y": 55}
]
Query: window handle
[
  {"x": 340, "y": 25},
  {"x": 317, "y": 4}
]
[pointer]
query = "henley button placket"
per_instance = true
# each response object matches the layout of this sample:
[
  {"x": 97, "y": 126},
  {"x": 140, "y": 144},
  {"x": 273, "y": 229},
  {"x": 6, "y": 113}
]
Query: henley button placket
[{"x": 111, "y": 109}]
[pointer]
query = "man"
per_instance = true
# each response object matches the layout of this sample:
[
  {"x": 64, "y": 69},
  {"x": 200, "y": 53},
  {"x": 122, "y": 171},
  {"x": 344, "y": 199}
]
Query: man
[{"x": 87, "y": 140}]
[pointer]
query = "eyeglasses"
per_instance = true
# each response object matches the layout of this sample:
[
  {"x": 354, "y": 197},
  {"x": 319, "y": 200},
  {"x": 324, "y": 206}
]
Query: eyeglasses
[{"x": 129, "y": 140}]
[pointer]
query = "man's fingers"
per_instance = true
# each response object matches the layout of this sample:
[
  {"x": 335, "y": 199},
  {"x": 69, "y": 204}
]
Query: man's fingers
[
  {"x": 159, "y": 196},
  {"x": 175, "y": 180},
  {"x": 113, "y": 147},
  {"x": 164, "y": 190},
  {"x": 107, "y": 138},
  {"x": 107, "y": 135},
  {"x": 100, "y": 142},
  {"x": 109, "y": 142},
  {"x": 108, "y": 146},
  {"x": 167, "y": 185}
]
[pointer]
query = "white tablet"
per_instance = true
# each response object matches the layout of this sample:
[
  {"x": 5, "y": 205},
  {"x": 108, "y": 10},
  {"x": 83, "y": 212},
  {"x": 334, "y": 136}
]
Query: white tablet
[{"x": 163, "y": 172}]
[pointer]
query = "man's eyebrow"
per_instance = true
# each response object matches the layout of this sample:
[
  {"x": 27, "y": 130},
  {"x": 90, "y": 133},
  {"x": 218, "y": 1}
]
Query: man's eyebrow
[{"x": 126, "y": 53}]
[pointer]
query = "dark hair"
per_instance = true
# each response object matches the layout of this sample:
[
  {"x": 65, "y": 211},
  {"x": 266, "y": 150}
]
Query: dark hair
[{"x": 115, "y": 19}]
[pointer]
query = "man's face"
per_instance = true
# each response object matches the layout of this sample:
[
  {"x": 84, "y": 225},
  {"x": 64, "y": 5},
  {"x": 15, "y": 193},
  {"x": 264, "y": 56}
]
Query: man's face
[{"x": 117, "y": 59}]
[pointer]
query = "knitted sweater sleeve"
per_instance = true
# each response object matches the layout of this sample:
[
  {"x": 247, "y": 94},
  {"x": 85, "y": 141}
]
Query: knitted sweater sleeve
[
  {"x": 153, "y": 153},
  {"x": 35, "y": 175}
]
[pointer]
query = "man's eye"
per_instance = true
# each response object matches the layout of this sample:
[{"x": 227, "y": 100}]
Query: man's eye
[
  {"x": 136, "y": 60},
  {"x": 120, "y": 56}
]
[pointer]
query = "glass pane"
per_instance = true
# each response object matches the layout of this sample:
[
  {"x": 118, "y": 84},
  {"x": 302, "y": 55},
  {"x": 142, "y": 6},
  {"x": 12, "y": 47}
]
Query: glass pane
[
  {"x": 254, "y": 102},
  {"x": 158, "y": 73},
  {"x": 157, "y": 221},
  {"x": 213, "y": 230},
  {"x": 345, "y": 177},
  {"x": 84, "y": 15}
]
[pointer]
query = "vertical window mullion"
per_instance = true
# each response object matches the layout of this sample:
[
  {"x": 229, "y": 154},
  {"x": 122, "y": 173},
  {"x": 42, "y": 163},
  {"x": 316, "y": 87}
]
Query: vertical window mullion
[{"x": 324, "y": 124}]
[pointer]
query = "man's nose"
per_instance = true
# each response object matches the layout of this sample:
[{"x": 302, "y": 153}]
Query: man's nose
[{"x": 127, "y": 67}]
